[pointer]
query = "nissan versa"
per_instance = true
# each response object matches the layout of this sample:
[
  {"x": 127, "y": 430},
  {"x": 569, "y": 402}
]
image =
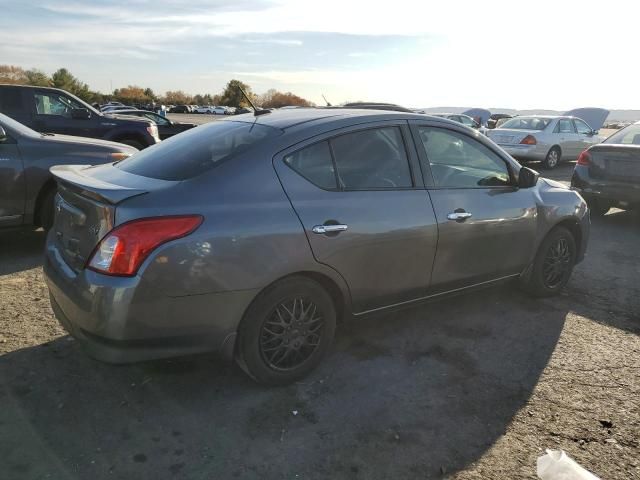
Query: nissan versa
[{"x": 253, "y": 235}]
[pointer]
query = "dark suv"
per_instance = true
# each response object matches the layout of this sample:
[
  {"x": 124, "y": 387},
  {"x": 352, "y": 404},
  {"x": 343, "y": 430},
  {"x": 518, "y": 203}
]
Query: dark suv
[{"x": 50, "y": 110}]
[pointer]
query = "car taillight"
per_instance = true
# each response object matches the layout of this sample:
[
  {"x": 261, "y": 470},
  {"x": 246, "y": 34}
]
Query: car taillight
[
  {"x": 123, "y": 249},
  {"x": 529, "y": 140},
  {"x": 584, "y": 158},
  {"x": 153, "y": 131}
]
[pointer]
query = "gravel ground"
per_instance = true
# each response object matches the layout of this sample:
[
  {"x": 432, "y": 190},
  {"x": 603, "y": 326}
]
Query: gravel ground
[{"x": 471, "y": 387}]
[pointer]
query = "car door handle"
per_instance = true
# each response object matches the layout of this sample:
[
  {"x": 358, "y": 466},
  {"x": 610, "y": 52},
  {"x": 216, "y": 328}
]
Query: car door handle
[
  {"x": 459, "y": 216},
  {"x": 320, "y": 229}
]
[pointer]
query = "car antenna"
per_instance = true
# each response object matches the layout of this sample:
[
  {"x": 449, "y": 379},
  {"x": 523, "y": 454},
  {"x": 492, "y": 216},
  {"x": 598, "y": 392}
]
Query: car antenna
[
  {"x": 325, "y": 99},
  {"x": 256, "y": 110}
]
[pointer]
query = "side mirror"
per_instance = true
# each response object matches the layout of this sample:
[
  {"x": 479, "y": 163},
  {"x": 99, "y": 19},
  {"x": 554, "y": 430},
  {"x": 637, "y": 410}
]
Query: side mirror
[
  {"x": 80, "y": 114},
  {"x": 3, "y": 135},
  {"x": 527, "y": 178}
]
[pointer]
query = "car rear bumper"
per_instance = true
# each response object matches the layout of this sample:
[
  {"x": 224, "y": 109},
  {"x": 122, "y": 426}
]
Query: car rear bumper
[
  {"x": 525, "y": 152},
  {"x": 123, "y": 320},
  {"x": 623, "y": 194}
]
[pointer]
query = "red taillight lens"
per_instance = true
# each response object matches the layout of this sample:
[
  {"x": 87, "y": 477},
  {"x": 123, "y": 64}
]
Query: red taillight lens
[
  {"x": 529, "y": 140},
  {"x": 123, "y": 249},
  {"x": 584, "y": 158}
]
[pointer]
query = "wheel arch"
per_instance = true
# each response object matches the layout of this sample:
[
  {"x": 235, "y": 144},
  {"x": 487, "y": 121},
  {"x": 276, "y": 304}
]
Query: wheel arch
[
  {"x": 49, "y": 185},
  {"x": 557, "y": 147}
]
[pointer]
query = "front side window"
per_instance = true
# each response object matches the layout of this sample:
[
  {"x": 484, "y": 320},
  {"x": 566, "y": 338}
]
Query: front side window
[
  {"x": 565, "y": 126},
  {"x": 157, "y": 119},
  {"x": 457, "y": 161},
  {"x": 467, "y": 121},
  {"x": 371, "y": 159},
  {"x": 582, "y": 127},
  {"x": 54, "y": 104}
]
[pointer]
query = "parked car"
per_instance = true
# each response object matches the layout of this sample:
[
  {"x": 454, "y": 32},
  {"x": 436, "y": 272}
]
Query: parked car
[
  {"x": 166, "y": 127},
  {"x": 253, "y": 235},
  {"x": 496, "y": 118},
  {"x": 241, "y": 110},
  {"x": 205, "y": 109},
  {"x": 608, "y": 175},
  {"x": 220, "y": 111},
  {"x": 546, "y": 139},
  {"x": 26, "y": 185},
  {"x": 180, "y": 109},
  {"x": 51, "y": 110},
  {"x": 115, "y": 108},
  {"x": 463, "y": 119}
]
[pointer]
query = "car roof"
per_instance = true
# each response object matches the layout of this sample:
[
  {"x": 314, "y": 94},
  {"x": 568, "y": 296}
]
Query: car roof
[{"x": 287, "y": 118}]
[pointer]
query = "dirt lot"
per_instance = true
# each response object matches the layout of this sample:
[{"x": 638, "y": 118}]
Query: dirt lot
[{"x": 472, "y": 387}]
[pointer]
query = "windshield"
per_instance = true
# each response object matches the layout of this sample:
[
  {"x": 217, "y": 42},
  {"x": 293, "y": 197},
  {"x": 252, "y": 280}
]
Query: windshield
[
  {"x": 526, "y": 123},
  {"x": 196, "y": 151},
  {"x": 10, "y": 124},
  {"x": 627, "y": 136}
]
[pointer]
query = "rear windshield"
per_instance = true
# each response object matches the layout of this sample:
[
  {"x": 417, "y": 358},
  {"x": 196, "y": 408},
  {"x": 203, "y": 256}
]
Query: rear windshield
[
  {"x": 196, "y": 151},
  {"x": 627, "y": 136},
  {"x": 526, "y": 123}
]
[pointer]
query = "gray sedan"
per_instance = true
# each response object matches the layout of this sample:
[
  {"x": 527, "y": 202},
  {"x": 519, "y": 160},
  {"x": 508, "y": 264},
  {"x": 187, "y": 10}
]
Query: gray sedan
[
  {"x": 26, "y": 185},
  {"x": 545, "y": 139},
  {"x": 254, "y": 235}
]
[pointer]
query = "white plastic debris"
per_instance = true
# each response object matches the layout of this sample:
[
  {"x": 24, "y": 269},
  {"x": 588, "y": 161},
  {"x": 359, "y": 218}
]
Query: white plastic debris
[
  {"x": 295, "y": 412},
  {"x": 557, "y": 465}
]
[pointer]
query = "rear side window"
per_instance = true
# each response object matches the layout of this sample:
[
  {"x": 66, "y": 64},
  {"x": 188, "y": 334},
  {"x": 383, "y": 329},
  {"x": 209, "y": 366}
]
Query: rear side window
[
  {"x": 314, "y": 163},
  {"x": 372, "y": 159},
  {"x": 565, "y": 126},
  {"x": 10, "y": 100},
  {"x": 197, "y": 150}
]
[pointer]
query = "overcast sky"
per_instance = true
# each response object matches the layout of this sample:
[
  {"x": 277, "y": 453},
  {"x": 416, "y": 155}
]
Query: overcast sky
[{"x": 544, "y": 54}]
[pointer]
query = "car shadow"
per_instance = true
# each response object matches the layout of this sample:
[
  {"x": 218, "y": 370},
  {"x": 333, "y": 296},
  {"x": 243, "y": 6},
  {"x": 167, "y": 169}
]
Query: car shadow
[
  {"x": 21, "y": 249},
  {"x": 610, "y": 284},
  {"x": 418, "y": 393}
]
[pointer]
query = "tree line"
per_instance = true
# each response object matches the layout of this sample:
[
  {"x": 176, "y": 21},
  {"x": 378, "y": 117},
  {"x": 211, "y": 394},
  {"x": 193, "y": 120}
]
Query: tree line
[{"x": 134, "y": 94}]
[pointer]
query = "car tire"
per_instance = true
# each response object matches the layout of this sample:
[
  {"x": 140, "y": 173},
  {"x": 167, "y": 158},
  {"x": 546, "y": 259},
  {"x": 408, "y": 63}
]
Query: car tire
[
  {"x": 553, "y": 264},
  {"x": 46, "y": 212},
  {"x": 552, "y": 159},
  {"x": 132, "y": 143},
  {"x": 286, "y": 331}
]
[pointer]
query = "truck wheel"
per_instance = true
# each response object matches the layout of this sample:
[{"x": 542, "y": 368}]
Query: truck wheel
[
  {"x": 46, "y": 214},
  {"x": 132, "y": 143},
  {"x": 552, "y": 159},
  {"x": 553, "y": 264},
  {"x": 286, "y": 331}
]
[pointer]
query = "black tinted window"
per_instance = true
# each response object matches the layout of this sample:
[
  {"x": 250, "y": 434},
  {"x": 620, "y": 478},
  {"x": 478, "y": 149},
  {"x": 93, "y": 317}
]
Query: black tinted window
[
  {"x": 371, "y": 159},
  {"x": 457, "y": 161},
  {"x": 314, "y": 163},
  {"x": 197, "y": 150},
  {"x": 10, "y": 100}
]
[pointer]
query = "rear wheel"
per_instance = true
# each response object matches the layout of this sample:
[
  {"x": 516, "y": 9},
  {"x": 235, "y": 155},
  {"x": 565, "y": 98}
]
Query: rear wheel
[
  {"x": 552, "y": 159},
  {"x": 287, "y": 331},
  {"x": 553, "y": 264}
]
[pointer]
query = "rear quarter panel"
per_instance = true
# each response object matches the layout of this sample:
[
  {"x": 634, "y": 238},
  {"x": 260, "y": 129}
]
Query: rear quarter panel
[{"x": 250, "y": 236}]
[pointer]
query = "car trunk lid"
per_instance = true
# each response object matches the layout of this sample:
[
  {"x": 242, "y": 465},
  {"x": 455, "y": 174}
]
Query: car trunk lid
[
  {"x": 505, "y": 136},
  {"x": 85, "y": 206},
  {"x": 620, "y": 163}
]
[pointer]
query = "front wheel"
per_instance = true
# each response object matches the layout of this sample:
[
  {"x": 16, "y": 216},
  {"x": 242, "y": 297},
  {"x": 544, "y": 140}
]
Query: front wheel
[
  {"x": 553, "y": 264},
  {"x": 552, "y": 159},
  {"x": 287, "y": 331}
]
